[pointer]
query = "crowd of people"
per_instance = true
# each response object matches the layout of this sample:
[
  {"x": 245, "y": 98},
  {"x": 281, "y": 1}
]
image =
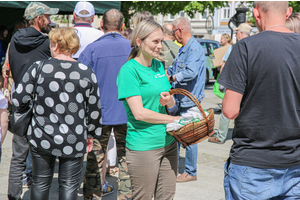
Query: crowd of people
[{"x": 89, "y": 86}]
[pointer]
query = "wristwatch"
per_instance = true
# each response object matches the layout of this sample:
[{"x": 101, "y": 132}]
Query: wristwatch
[{"x": 171, "y": 78}]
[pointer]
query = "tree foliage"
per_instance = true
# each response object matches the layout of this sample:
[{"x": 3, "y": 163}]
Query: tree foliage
[
  {"x": 129, "y": 8},
  {"x": 294, "y": 4}
]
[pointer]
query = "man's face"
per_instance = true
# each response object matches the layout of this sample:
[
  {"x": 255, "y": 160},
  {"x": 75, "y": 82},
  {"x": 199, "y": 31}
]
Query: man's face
[
  {"x": 44, "y": 25},
  {"x": 177, "y": 33},
  {"x": 238, "y": 35}
]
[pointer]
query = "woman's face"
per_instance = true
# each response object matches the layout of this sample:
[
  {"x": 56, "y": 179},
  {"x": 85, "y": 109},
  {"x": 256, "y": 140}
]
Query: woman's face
[
  {"x": 223, "y": 41},
  {"x": 152, "y": 44},
  {"x": 5, "y": 32}
]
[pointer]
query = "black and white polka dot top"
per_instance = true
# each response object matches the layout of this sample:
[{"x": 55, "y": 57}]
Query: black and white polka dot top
[{"x": 67, "y": 106}]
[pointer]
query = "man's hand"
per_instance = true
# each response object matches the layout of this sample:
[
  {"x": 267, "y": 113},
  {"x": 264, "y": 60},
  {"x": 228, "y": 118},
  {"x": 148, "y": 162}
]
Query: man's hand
[{"x": 89, "y": 142}]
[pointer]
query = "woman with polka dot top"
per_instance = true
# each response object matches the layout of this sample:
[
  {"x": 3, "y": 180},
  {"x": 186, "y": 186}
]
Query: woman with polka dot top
[{"x": 66, "y": 115}]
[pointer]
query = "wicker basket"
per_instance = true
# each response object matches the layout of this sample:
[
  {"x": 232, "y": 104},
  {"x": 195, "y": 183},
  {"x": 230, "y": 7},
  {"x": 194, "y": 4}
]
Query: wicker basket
[{"x": 194, "y": 132}]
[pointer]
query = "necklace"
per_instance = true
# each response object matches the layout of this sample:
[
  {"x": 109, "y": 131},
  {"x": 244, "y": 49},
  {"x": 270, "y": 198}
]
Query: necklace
[{"x": 275, "y": 26}]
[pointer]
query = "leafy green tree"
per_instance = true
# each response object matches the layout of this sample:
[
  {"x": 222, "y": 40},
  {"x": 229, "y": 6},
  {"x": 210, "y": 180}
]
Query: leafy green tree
[
  {"x": 294, "y": 4},
  {"x": 129, "y": 8}
]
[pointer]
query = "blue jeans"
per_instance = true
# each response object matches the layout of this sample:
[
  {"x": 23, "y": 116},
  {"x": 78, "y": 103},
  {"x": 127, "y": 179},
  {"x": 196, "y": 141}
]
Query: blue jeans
[
  {"x": 243, "y": 182},
  {"x": 28, "y": 169},
  {"x": 191, "y": 151}
]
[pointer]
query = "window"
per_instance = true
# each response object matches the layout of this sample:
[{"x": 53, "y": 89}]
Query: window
[
  {"x": 225, "y": 14},
  {"x": 171, "y": 16},
  {"x": 181, "y": 13},
  {"x": 204, "y": 15}
]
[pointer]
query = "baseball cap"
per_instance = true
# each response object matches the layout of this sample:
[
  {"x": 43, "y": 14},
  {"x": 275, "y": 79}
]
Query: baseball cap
[
  {"x": 244, "y": 27},
  {"x": 35, "y": 9},
  {"x": 84, "y": 5}
]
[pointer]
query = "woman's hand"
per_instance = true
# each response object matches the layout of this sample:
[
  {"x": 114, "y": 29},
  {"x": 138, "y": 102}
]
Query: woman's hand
[
  {"x": 143, "y": 114},
  {"x": 89, "y": 146},
  {"x": 165, "y": 97}
]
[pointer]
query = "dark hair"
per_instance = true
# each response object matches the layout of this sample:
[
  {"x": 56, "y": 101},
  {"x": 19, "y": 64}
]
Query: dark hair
[
  {"x": 127, "y": 33},
  {"x": 112, "y": 20},
  {"x": 2, "y": 29}
]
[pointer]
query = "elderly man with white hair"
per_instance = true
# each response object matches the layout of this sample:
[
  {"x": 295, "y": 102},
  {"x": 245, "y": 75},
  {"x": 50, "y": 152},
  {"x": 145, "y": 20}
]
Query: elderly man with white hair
[{"x": 187, "y": 72}]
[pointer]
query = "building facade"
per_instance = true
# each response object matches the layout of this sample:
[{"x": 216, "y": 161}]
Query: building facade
[{"x": 201, "y": 23}]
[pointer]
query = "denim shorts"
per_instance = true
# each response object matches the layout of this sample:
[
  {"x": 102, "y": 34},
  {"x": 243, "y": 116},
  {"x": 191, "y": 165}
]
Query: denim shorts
[{"x": 249, "y": 183}]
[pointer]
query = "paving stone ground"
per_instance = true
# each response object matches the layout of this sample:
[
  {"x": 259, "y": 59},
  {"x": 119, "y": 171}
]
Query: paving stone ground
[{"x": 211, "y": 159}]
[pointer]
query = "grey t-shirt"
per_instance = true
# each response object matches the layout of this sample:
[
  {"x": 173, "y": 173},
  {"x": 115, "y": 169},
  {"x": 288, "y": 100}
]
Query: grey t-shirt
[{"x": 265, "y": 68}]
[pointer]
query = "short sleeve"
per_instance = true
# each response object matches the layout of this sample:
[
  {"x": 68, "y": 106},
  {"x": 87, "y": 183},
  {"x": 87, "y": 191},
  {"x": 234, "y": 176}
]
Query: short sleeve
[
  {"x": 225, "y": 57},
  {"x": 234, "y": 75},
  {"x": 3, "y": 101},
  {"x": 128, "y": 83}
]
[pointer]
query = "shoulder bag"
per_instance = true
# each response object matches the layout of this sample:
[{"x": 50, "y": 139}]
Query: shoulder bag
[{"x": 20, "y": 119}]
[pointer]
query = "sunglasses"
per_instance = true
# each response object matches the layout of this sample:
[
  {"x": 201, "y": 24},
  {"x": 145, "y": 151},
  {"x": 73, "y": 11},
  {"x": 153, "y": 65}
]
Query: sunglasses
[{"x": 175, "y": 30}]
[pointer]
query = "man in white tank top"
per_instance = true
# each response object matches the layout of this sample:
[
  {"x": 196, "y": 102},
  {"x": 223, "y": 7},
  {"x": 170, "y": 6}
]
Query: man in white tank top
[{"x": 83, "y": 15}]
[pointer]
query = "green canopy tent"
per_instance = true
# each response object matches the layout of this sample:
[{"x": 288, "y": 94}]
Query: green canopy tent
[{"x": 13, "y": 11}]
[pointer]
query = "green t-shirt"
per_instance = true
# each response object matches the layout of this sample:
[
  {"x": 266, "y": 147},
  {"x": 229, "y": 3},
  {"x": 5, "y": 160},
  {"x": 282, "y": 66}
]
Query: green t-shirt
[{"x": 135, "y": 79}]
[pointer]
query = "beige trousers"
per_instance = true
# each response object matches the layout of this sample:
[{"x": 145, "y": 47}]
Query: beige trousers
[{"x": 153, "y": 172}]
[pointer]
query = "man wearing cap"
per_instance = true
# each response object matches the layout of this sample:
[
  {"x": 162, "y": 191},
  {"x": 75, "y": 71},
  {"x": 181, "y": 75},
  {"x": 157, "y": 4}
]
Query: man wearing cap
[
  {"x": 27, "y": 46},
  {"x": 187, "y": 72},
  {"x": 242, "y": 31},
  {"x": 83, "y": 15},
  {"x": 106, "y": 62}
]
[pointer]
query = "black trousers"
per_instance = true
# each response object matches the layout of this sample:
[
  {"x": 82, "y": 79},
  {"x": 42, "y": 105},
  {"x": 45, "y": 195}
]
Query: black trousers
[
  {"x": 20, "y": 149},
  {"x": 42, "y": 174}
]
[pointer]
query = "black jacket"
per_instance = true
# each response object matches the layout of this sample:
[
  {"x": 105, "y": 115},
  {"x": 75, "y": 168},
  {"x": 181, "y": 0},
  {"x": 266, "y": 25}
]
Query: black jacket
[{"x": 27, "y": 46}]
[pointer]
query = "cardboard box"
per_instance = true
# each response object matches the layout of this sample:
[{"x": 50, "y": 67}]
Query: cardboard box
[{"x": 219, "y": 54}]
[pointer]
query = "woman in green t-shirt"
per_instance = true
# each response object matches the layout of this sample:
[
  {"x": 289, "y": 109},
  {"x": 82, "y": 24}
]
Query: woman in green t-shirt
[{"x": 144, "y": 89}]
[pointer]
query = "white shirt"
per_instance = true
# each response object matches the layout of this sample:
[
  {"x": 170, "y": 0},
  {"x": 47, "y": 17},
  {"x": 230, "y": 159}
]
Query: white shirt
[{"x": 87, "y": 34}]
